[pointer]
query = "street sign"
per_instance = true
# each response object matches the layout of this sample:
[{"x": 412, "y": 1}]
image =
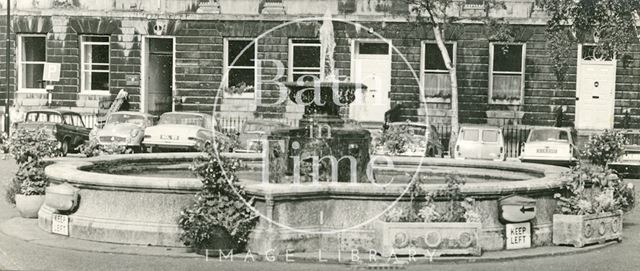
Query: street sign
[
  {"x": 518, "y": 235},
  {"x": 516, "y": 209},
  {"x": 60, "y": 224},
  {"x": 51, "y": 72}
]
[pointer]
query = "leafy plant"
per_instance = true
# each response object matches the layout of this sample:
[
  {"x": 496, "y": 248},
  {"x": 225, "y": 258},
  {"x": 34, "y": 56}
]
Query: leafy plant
[
  {"x": 605, "y": 147},
  {"x": 220, "y": 205},
  {"x": 29, "y": 148},
  {"x": 93, "y": 148},
  {"x": 592, "y": 190},
  {"x": 4, "y": 143},
  {"x": 396, "y": 139},
  {"x": 457, "y": 209}
]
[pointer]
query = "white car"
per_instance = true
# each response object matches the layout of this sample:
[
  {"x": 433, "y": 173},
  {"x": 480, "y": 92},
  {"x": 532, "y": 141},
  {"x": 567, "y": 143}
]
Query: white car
[
  {"x": 549, "y": 145},
  {"x": 123, "y": 129},
  {"x": 480, "y": 142},
  {"x": 181, "y": 131}
]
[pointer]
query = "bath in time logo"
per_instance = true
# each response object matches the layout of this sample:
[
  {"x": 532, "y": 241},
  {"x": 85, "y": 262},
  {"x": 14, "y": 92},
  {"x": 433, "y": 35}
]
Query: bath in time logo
[{"x": 326, "y": 155}]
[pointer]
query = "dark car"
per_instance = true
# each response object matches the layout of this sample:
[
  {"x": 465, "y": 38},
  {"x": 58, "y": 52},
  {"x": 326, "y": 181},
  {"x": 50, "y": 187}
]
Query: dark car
[
  {"x": 67, "y": 126},
  {"x": 254, "y": 131}
]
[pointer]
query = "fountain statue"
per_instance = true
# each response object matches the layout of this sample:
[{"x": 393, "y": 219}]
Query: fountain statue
[{"x": 323, "y": 148}]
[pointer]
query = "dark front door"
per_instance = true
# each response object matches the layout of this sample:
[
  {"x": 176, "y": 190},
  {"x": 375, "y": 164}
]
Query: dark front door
[{"x": 159, "y": 76}]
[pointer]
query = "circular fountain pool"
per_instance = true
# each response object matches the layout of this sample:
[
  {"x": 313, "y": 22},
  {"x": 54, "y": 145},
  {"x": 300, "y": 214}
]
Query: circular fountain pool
[{"x": 136, "y": 199}]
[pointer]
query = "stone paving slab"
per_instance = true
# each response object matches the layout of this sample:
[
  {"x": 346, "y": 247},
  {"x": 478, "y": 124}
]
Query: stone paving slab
[{"x": 28, "y": 231}]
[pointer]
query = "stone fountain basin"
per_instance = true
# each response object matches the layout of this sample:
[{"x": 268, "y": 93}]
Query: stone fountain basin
[{"x": 139, "y": 209}]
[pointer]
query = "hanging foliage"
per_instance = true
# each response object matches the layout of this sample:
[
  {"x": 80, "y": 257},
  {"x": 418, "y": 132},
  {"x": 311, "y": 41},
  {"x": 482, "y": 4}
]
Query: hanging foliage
[{"x": 609, "y": 24}]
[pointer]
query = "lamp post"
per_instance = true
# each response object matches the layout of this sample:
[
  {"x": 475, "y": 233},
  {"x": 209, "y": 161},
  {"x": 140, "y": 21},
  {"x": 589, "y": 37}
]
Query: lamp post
[{"x": 7, "y": 62}]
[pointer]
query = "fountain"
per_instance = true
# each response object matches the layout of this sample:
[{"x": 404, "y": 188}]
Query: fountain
[
  {"x": 137, "y": 198},
  {"x": 322, "y": 135}
]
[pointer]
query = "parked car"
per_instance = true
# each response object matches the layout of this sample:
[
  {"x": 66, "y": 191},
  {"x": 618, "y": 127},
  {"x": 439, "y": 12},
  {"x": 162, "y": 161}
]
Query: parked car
[
  {"x": 628, "y": 166},
  {"x": 124, "y": 129},
  {"x": 66, "y": 126},
  {"x": 254, "y": 131},
  {"x": 550, "y": 145},
  {"x": 480, "y": 142},
  {"x": 183, "y": 131},
  {"x": 425, "y": 139}
]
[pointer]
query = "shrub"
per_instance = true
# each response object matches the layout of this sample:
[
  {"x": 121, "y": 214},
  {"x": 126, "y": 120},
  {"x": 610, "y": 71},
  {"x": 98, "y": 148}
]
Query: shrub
[
  {"x": 605, "y": 148},
  {"x": 457, "y": 209},
  {"x": 396, "y": 139},
  {"x": 92, "y": 148},
  {"x": 29, "y": 148},
  {"x": 593, "y": 190},
  {"x": 220, "y": 205}
]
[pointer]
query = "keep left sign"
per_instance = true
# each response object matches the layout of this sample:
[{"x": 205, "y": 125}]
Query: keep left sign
[{"x": 518, "y": 235}]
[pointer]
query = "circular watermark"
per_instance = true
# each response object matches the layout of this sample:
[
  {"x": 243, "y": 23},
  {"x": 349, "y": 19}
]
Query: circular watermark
[{"x": 280, "y": 67}]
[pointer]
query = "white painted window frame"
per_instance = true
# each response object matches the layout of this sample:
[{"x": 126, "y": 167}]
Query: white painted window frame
[
  {"x": 226, "y": 69},
  {"x": 424, "y": 70},
  {"x": 306, "y": 70},
  {"x": 522, "y": 72},
  {"x": 83, "y": 69},
  {"x": 20, "y": 62}
]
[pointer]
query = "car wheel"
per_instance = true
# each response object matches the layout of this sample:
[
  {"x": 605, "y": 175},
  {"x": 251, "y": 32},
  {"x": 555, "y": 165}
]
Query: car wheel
[{"x": 64, "y": 148}]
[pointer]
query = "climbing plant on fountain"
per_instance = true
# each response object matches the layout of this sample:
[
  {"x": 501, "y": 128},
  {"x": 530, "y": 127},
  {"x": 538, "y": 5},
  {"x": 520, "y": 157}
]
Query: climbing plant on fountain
[
  {"x": 219, "y": 219},
  {"x": 609, "y": 24}
]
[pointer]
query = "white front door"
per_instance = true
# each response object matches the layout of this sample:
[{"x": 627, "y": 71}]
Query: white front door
[
  {"x": 595, "y": 91},
  {"x": 371, "y": 66}
]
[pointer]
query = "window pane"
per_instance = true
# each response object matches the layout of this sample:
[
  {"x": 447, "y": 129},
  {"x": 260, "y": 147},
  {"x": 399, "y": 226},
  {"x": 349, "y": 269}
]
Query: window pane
[
  {"x": 242, "y": 78},
  {"x": 96, "y": 81},
  {"x": 433, "y": 58},
  {"x": 34, "y": 49},
  {"x": 160, "y": 45},
  {"x": 235, "y": 48},
  {"x": 549, "y": 135},
  {"x": 489, "y": 136},
  {"x": 507, "y": 58},
  {"x": 67, "y": 119},
  {"x": 506, "y": 86},
  {"x": 306, "y": 56},
  {"x": 437, "y": 84},
  {"x": 55, "y": 118},
  {"x": 32, "y": 75},
  {"x": 470, "y": 134},
  {"x": 96, "y": 54},
  {"x": 373, "y": 48}
]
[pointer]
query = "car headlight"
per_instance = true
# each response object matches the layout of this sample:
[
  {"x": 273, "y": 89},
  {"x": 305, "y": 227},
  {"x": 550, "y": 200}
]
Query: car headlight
[{"x": 134, "y": 133}]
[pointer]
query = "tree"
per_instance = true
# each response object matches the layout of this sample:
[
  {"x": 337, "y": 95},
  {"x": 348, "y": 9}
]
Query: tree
[
  {"x": 435, "y": 14},
  {"x": 609, "y": 24}
]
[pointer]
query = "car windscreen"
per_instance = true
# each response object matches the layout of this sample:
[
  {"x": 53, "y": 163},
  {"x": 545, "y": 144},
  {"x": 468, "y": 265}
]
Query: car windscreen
[
  {"x": 127, "y": 118},
  {"x": 182, "y": 119},
  {"x": 489, "y": 136},
  {"x": 470, "y": 134},
  {"x": 548, "y": 135},
  {"x": 43, "y": 117}
]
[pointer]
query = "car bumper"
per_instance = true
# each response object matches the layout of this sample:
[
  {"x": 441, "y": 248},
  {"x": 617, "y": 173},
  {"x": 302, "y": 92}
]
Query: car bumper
[{"x": 188, "y": 146}]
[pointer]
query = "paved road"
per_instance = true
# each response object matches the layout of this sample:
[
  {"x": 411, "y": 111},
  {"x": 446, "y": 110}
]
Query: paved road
[{"x": 18, "y": 254}]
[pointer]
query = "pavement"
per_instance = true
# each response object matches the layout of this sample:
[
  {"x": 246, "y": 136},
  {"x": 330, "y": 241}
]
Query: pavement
[{"x": 23, "y": 246}]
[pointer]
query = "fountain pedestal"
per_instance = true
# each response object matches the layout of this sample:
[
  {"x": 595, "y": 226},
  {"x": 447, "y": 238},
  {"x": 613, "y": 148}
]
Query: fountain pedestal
[{"x": 323, "y": 148}]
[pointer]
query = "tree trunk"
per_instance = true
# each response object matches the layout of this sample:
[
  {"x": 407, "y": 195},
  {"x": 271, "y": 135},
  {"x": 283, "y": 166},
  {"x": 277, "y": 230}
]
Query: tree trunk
[{"x": 453, "y": 77}]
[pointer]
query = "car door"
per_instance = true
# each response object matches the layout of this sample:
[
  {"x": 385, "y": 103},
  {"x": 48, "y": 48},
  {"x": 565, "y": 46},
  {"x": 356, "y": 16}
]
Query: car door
[
  {"x": 490, "y": 143},
  {"x": 469, "y": 145}
]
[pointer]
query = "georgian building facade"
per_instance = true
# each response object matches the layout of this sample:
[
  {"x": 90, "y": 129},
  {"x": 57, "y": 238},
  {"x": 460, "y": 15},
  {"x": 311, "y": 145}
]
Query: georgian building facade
[{"x": 228, "y": 56}]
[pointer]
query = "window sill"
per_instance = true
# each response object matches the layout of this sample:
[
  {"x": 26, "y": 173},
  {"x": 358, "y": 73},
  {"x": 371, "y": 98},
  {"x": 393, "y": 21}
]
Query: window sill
[
  {"x": 96, "y": 92},
  {"x": 244, "y": 96},
  {"x": 438, "y": 100},
  {"x": 505, "y": 102}
]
